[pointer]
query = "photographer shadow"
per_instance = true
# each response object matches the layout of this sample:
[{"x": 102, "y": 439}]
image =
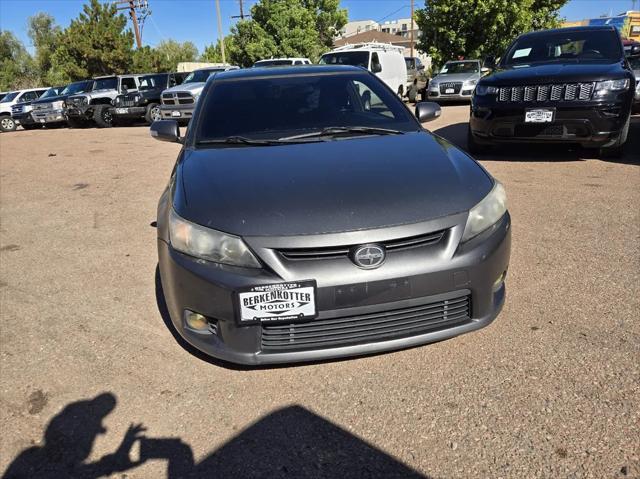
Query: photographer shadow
[{"x": 289, "y": 442}]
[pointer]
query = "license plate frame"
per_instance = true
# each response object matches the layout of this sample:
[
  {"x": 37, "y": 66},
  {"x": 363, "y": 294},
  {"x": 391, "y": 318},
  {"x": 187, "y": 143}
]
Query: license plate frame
[
  {"x": 449, "y": 91},
  {"x": 176, "y": 114},
  {"x": 286, "y": 302},
  {"x": 539, "y": 115},
  {"x": 122, "y": 111}
]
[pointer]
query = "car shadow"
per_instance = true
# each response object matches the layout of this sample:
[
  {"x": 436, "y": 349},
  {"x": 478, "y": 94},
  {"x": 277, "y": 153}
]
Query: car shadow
[
  {"x": 457, "y": 134},
  {"x": 288, "y": 442}
]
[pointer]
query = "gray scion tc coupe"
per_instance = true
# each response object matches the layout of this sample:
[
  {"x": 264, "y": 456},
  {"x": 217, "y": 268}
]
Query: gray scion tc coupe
[{"x": 310, "y": 216}]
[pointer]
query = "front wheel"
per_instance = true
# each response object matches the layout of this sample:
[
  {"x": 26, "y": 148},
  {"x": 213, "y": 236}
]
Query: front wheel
[
  {"x": 102, "y": 116},
  {"x": 7, "y": 123},
  {"x": 75, "y": 122},
  {"x": 153, "y": 113}
]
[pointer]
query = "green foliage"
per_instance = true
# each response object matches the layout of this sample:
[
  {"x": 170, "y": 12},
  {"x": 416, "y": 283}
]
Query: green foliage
[
  {"x": 476, "y": 28},
  {"x": 171, "y": 52},
  {"x": 44, "y": 34},
  {"x": 96, "y": 43},
  {"x": 213, "y": 54},
  {"x": 146, "y": 60},
  {"x": 286, "y": 28},
  {"x": 17, "y": 68}
]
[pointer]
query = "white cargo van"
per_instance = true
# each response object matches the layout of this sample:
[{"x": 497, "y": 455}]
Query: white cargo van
[{"x": 383, "y": 59}]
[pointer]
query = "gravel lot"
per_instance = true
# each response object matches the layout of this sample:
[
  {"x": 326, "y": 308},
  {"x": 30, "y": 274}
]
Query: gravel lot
[{"x": 551, "y": 389}]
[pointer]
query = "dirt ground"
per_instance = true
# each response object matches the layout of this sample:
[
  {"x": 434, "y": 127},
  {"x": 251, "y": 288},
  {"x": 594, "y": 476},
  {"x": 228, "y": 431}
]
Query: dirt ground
[{"x": 550, "y": 389}]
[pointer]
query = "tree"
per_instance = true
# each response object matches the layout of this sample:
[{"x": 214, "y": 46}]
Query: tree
[
  {"x": 287, "y": 28},
  {"x": 146, "y": 60},
  {"x": 171, "y": 52},
  {"x": 96, "y": 43},
  {"x": 44, "y": 33},
  {"x": 213, "y": 54},
  {"x": 476, "y": 28},
  {"x": 17, "y": 68}
]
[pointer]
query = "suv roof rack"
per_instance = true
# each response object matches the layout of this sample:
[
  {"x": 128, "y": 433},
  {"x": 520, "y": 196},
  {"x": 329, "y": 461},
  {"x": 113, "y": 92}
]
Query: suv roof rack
[{"x": 371, "y": 46}]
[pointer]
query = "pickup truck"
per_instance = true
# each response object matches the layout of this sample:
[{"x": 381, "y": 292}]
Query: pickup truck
[
  {"x": 48, "y": 110},
  {"x": 18, "y": 97}
]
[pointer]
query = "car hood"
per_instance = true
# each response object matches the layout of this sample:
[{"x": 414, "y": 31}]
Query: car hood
[
  {"x": 190, "y": 87},
  {"x": 451, "y": 77},
  {"x": 327, "y": 187},
  {"x": 52, "y": 99},
  {"x": 555, "y": 73}
]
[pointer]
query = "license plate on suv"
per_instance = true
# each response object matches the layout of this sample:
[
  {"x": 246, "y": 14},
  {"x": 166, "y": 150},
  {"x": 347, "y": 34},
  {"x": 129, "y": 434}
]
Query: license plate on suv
[
  {"x": 539, "y": 116},
  {"x": 277, "y": 302}
]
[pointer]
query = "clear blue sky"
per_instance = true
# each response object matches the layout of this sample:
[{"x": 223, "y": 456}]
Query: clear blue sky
[{"x": 195, "y": 19}]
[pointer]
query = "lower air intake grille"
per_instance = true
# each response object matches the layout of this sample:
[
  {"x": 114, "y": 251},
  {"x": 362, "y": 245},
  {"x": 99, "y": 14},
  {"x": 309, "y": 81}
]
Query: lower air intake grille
[{"x": 367, "y": 328}]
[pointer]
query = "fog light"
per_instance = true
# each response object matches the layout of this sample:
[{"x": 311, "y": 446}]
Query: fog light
[
  {"x": 498, "y": 282},
  {"x": 195, "y": 321}
]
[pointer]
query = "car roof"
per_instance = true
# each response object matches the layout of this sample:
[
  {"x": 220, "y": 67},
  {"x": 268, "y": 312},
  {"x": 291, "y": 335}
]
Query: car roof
[
  {"x": 590, "y": 28},
  {"x": 286, "y": 70}
]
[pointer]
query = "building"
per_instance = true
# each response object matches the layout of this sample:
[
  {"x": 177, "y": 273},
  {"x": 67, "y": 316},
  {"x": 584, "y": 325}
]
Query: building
[
  {"x": 401, "y": 27},
  {"x": 628, "y": 23},
  {"x": 358, "y": 26}
]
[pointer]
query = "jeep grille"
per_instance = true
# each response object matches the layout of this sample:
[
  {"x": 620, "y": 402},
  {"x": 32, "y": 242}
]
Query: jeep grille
[{"x": 556, "y": 92}]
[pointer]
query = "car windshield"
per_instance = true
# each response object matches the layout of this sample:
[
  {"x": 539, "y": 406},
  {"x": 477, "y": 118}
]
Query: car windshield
[
  {"x": 55, "y": 91},
  {"x": 287, "y": 106},
  {"x": 581, "y": 45},
  {"x": 153, "y": 81},
  {"x": 460, "y": 67},
  {"x": 200, "y": 76},
  {"x": 272, "y": 63},
  {"x": 77, "y": 87},
  {"x": 358, "y": 59},
  {"x": 9, "y": 97},
  {"x": 110, "y": 83}
]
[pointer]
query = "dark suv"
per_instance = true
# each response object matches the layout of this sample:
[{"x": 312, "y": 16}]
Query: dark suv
[
  {"x": 145, "y": 103},
  {"x": 571, "y": 85}
]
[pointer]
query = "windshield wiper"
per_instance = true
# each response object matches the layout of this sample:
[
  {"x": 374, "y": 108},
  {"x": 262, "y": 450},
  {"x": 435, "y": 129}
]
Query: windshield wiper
[
  {"x": 341, "y": 130},
  {"x": 238, "y": 140}
]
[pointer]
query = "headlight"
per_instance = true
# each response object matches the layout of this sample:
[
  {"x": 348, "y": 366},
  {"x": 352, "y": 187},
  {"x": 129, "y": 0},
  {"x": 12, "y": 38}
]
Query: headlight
[
  {"x": 470, "y": 82},
  {"x": 57, "y": 105},
  {"x": 433, "y": 86},
  {"x": 208, "y": 244},
  {"x": 136, "y": 98},
  {"x": 605, "y": 87},
  {"x": 482, "y": 90},
  {"x": 486, "y": 213}
]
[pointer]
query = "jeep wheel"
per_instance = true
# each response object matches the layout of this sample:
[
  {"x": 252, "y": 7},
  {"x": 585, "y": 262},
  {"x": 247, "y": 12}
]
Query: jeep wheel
[
  {"x": 7, "y": 123},
  {"x": 102, "y": 116},
  {"x": 617, "y": 149},
  {"x": 153, "y": 113}
]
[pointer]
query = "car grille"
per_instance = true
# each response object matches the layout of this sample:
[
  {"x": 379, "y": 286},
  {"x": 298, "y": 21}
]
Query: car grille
[
  {"x": 334, "y": 252},
  {"x": 77, "y": 101},
  {"x": 539, "y": 93},
  {"x": 125, "y": 100},
  {"x": 178, "y": 98},
  {"x": 558, "y": 131},
  {"x": 17, "y": 109},
  {"x": 455, "y": 85},
  {"x": 42, "y": 106},
  {"x": 367, "y": 328}
]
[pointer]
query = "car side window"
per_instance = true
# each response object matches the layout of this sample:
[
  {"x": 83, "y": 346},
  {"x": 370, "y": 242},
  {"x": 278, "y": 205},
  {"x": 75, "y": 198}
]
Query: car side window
[
  {"x": 129, "y": 83},
  {"x": 28, "y": 96},
  {"x": 297, "y": 62},
  {"x": 375, "y": 62}
]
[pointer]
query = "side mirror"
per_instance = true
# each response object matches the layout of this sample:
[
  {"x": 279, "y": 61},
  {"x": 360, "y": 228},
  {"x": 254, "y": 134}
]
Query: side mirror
[
  {"x": 166, "y": 130},
  {"x": 376, "y": 68},
  {"x": 490, "y": 62},
  {"x": 427, "y": 111}
]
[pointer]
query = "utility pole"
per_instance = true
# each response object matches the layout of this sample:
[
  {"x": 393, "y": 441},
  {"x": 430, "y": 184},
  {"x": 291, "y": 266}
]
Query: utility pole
[
  {"x": 134, "y": 6},
  {"x": 220, "y": 36},
  {"x": 242, "y": 15},
  {"x": 411, "y": 29}
]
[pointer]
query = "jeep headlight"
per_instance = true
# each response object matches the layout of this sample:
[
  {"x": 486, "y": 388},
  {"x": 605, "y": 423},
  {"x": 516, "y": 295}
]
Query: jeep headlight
[
  {"x": 604, "y": 88},
  {"x": 482, "y": 90},
  {"x": 137, "y": 97},
  {"x": 486, "y": 213},
  {"x": 208, "y": 244}
]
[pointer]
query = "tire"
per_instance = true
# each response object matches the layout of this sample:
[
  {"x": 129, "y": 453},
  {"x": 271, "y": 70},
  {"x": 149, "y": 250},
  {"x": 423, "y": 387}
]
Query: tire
[
  {"x": 401, "y": 92},
  {"x": 102, "y": 116},
  {"x": 617, "y": 149},
  {"x": 412, "y": 94},
  {"x": 473, "y": 146},
  {"x": 76, "y": 123},
  {"x": 153, "y": 113},
  {"x": 7, "y": 123},
  {"x": 424, "y": 95}
]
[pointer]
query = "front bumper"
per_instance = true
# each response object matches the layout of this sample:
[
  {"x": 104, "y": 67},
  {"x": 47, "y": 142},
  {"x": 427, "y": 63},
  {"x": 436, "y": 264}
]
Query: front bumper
[
  {"x": 464, "y": 94},
  {"x": 84, "y": 112},
  {"x": 409, "y": 279},
  {"x": 590, "y": 124},
  {"x": 129, "y": 111},
  {"x": 48, "y": 116},
  {"x": 177, "y": 112}
]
